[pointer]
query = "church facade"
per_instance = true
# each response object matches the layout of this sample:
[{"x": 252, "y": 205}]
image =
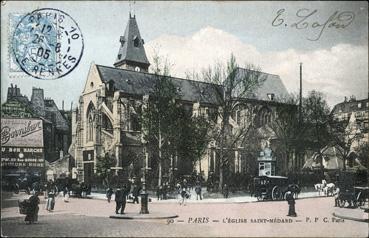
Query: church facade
[{"x": 107, "y": 118}]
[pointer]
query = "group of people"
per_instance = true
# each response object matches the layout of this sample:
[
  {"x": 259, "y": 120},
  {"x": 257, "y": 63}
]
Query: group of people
[
  {"x": 122, "y": 194},
  {"x": 162, "y": 191}
]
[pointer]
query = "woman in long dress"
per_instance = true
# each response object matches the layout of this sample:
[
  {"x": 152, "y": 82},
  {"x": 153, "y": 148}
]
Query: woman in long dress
[{"x": 32, "y": 213}]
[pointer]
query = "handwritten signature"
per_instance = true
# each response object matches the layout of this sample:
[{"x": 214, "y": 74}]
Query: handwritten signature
[{"x": 338, "y": 20}]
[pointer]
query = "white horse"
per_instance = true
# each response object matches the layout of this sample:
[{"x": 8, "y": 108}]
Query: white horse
[
  {"x": 329, "y": 189},
  {"x": 318, "y": 187}
]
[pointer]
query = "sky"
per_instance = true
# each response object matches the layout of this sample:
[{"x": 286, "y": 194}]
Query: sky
[{"x": 196, "y": 35}]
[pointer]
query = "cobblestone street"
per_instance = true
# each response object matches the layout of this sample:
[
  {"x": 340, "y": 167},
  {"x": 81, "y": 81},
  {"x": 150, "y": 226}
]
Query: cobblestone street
[{"x": 90, "y": 217}]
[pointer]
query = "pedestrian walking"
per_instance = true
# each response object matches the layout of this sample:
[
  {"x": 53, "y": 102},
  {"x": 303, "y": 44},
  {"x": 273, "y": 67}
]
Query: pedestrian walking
[
  {"x": 225, "y": 191},
  {"x": 198, "y": 191},
  {"x": 164, "y": 191},
  {"x": 48, "y": 187},
  {"x": 291, "y": 204},
  {"x": 32, "y": 211},
  {"x": 337, "y": 197},
  {"x": 109, "y": 193},
  {"x": 66, "y": 194},
  {"x": 83, "y": 190},
  {"x": 159, "y": 192},
  {"x": 178, "y": 187},
  {"x": 120, "y": 200},
  {"x": 51, "y": 200},
  {"x": 136, "y": 193}
]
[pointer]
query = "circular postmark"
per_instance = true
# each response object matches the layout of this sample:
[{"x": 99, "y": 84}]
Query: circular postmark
[{"x": 47, "y": 44}]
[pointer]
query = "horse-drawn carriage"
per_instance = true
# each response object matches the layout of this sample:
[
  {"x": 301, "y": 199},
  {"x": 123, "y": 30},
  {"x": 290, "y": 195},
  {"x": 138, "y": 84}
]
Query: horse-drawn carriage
[
  {"x": 273, "y": 187},
  {"x": 353, "y": 197},
  {"x": 349, "y": 194}
]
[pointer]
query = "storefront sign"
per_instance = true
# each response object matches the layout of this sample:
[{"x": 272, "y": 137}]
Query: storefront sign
[
  {"x": 22, "y": 157},
  {"x": 21, "y": 132}
]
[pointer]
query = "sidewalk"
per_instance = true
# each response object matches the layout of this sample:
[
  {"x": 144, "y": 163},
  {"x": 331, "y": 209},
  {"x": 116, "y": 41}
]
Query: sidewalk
[
  {"x": 237, "y": 198},
  {"x": 355, "y": 214}
]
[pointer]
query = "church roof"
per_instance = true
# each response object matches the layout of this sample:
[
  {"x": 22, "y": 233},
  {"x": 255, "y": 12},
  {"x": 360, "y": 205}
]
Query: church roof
[
  {"x": 139, "y": 83},
  {"x": 131, "y": 48},
  {"x": 272, "y": 84}
]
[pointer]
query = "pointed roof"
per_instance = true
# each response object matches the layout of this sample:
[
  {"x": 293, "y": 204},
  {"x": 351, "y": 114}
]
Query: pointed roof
[{"x": 131, "y": 48}]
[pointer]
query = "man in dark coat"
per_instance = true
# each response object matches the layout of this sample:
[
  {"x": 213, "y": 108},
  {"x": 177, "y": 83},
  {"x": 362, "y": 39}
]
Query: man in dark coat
[
  {"x": 119, "y": 198},
  {"x": 291, "y": 202},
  {"x": 136, "y": 193},
  {"x": 109, "y": 193}
]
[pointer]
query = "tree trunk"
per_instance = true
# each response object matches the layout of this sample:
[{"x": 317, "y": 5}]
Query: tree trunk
[
  {"x": 220, "y": 177},
  {"x": 160, "y": 171},
  {"x": 200, "y": 165},
  {"x": 160, "y": 159}
]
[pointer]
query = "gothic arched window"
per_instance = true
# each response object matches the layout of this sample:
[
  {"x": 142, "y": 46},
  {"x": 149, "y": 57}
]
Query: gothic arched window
[
  {"x": 264, "y": 116},
  {"x": 90, "y": 122},
  {"x": 90, "y": 127}
]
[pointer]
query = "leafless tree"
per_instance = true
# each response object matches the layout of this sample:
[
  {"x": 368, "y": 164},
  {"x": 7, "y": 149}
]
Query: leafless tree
[{"x": 232, "y": 86}]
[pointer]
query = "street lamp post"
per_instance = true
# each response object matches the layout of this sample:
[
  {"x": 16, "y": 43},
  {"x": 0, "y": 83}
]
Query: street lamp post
[{"x": 144, "y": 195}]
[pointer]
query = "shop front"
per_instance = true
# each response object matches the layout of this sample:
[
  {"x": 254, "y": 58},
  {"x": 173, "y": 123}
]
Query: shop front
[{"x": 22, "y": 150}]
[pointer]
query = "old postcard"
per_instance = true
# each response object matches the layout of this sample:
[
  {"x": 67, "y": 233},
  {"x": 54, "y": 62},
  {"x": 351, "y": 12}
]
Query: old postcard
[{"x": 184, "y": 119}]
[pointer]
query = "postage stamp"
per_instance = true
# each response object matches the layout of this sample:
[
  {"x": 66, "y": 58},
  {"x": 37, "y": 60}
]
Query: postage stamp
[{"x": 46, "y": 43}]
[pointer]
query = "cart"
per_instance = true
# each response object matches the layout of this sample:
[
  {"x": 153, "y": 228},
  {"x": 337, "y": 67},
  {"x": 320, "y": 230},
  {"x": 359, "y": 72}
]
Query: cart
[{"x": 273, "y": 188}]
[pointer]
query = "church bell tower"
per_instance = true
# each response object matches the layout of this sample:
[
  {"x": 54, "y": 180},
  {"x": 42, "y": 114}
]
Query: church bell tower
[{"x": 132, "y": 53}]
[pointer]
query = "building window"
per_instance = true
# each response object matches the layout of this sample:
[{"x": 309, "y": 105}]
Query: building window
[
  {"x": 264, "y": 117},
  {"x": 90, "y": 122},
  {"x": 90, "y": 128},
  {"x": 136, "y": 41}
]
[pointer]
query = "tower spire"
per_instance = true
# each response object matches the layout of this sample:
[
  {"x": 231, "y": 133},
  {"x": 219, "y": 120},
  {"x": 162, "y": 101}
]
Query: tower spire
[{"x": 132, "y": 53}]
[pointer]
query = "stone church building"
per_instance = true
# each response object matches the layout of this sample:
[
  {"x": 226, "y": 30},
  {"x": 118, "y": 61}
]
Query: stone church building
[{"x": 107, "y": 117}]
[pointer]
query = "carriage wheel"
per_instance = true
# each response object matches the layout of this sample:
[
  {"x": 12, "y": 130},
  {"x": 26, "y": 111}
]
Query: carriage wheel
[
  {"x": 360, "y": 201},
  {"x": 276, "y": 193}
]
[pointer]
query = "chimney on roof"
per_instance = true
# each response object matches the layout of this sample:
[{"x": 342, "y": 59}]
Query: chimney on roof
[
  {"x": 270, "y": 96},
  {"x": 63, "y": 105},
  {"x": 345, "y": 99},
  {"x": 13, "y": 91},
  {"x": 37, "y": 101}
]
